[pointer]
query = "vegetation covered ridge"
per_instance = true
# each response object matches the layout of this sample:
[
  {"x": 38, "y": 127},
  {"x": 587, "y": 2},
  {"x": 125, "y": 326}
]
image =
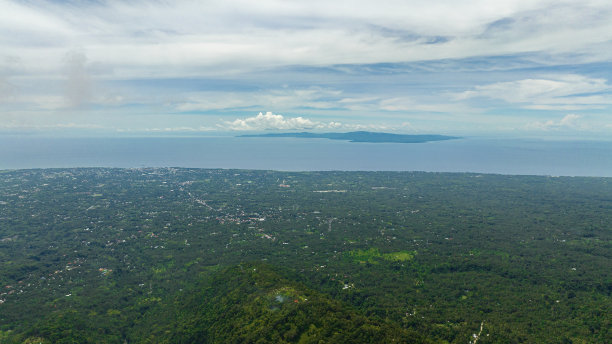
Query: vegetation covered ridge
[{"x": 256, "y": 303}]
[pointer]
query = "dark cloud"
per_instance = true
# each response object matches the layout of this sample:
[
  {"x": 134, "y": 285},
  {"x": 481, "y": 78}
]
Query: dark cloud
[
  {"x": 6, "y": 90},
  {"x": 8, "y": 66},
  {"x": 78, "y": 82}
]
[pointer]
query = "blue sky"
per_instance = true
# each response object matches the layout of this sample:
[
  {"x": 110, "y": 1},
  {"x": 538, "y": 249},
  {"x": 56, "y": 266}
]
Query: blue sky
[{"x": 515, "y": 68}]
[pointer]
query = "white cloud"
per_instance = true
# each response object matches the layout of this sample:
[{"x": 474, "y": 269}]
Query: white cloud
[
  {"x": 271, "y": 121},
  {"x": 552, "y": 93},
  {"x": 569, "y": 121},
  {"x": 149, "y": 38}
]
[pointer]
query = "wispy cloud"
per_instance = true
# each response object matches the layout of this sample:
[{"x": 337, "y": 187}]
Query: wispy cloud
[
  {"x": 569, "y": 121},
  {"x": 182, "y": 129},
  {"x": 55, "y": 126},
  {"x": 550, "y": 93},
  {"x": 280, "y": 98},
  {"x": 144, "y": 36}
]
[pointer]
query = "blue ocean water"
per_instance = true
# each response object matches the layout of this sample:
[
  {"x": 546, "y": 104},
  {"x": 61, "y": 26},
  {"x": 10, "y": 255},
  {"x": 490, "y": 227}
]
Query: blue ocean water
[{"x": 503, "y": 156}]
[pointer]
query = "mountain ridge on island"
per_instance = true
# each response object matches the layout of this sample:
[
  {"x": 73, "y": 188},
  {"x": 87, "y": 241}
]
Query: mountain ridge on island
[{"x": 361, "y": 136}]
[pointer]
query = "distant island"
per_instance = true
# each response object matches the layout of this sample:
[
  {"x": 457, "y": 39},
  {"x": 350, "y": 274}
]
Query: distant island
[{"x": 361, "y": 136}]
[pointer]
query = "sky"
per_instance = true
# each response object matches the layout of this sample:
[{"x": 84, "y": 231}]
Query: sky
[{"x": 155, "y": 68}]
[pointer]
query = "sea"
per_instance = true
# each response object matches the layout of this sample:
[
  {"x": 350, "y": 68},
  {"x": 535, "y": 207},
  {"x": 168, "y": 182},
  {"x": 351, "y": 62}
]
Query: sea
[{"x": 479, "y": 155}]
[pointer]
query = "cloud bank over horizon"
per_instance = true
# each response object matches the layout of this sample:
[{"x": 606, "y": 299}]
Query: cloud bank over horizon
[
  {"x": 270, "y": 121},
  {"x": 442, "y": 66}
]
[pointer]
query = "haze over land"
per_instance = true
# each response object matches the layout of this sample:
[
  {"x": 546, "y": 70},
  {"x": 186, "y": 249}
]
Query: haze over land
[{"x": 536, "y": 68}]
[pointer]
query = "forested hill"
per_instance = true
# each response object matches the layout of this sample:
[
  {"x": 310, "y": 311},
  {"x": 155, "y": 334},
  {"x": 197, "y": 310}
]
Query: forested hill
[
  {"x": 252, "y": 303},
  {"x": 248, "y": 303},
  {"x": 362, "y": 136}
]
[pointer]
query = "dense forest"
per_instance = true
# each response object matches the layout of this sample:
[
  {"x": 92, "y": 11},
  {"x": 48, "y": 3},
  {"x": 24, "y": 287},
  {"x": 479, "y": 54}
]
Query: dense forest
[{"x": 174, "y": 255}]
